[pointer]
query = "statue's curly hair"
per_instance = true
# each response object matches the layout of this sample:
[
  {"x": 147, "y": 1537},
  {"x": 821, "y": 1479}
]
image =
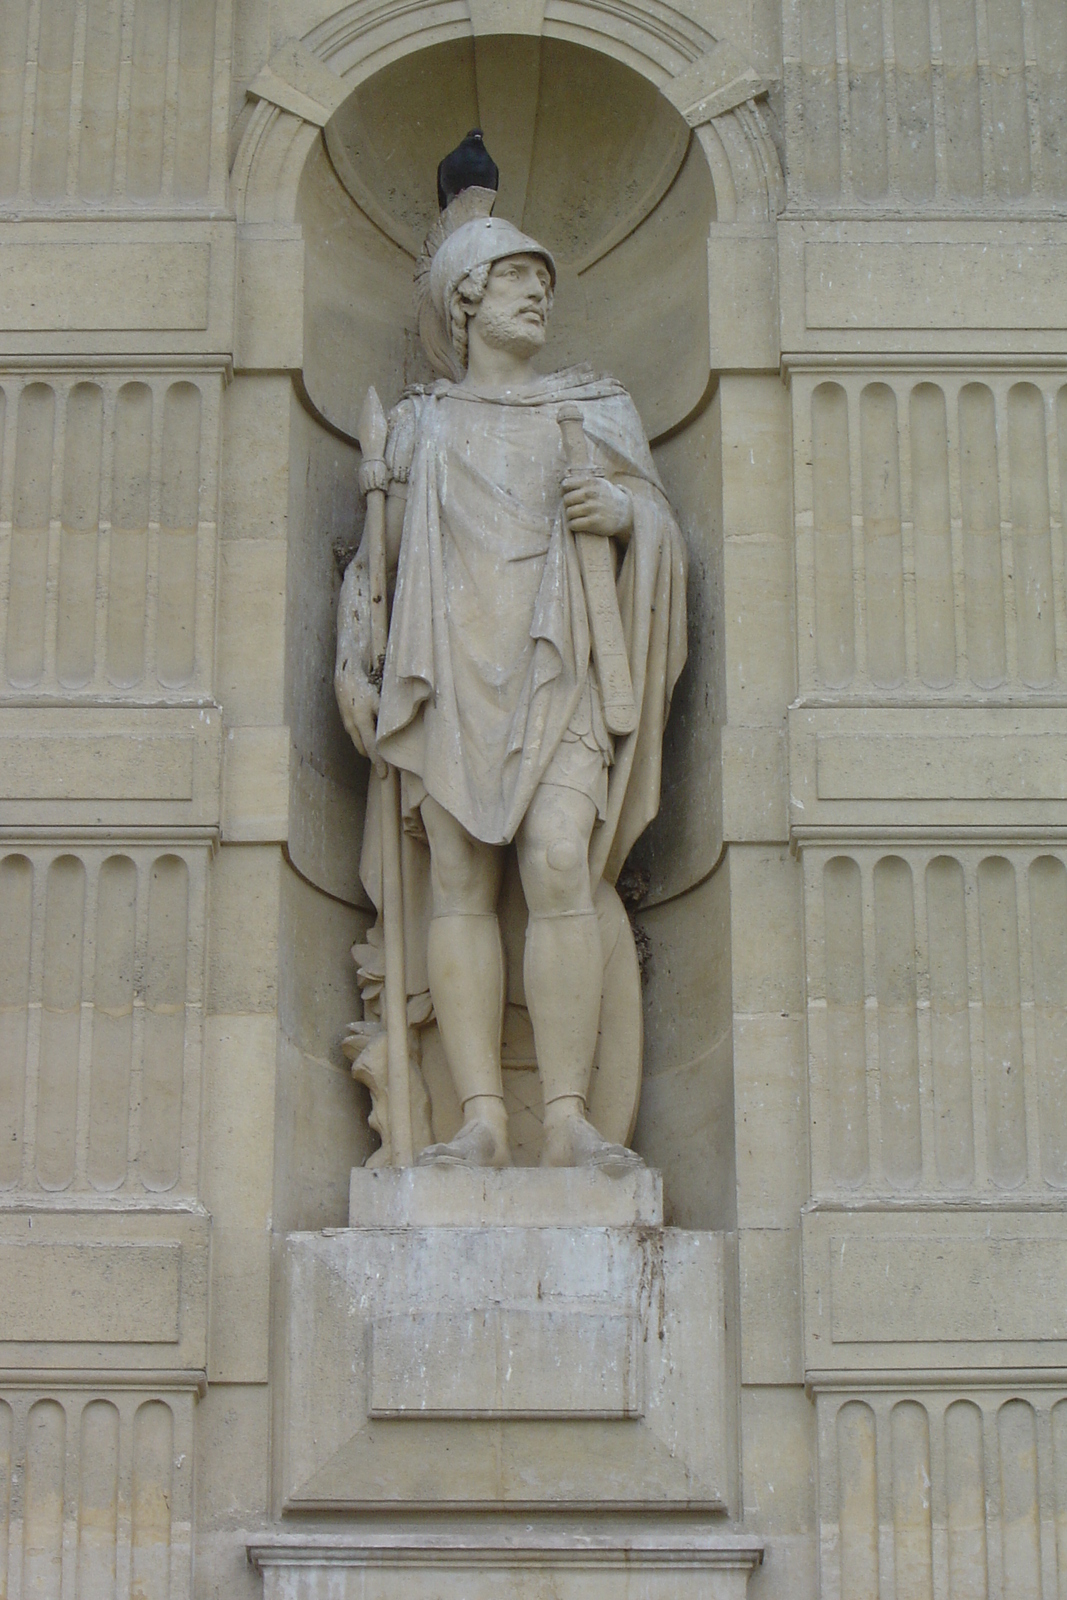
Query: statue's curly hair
[{"x": 467, "y": 296}]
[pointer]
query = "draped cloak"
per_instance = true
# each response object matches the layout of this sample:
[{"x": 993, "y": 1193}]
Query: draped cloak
[{"x": 489, "y": 661}]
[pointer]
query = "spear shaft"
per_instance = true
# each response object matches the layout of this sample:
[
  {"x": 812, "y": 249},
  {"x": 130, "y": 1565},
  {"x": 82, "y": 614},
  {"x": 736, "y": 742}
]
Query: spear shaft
[{"x": 372, "y": 435}]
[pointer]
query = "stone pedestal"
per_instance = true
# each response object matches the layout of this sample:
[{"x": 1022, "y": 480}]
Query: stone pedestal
[{"x": 532, "y": 1347}]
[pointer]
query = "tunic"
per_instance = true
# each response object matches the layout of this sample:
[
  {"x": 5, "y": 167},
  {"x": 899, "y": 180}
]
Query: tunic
[{"x": 488, "y": 686}]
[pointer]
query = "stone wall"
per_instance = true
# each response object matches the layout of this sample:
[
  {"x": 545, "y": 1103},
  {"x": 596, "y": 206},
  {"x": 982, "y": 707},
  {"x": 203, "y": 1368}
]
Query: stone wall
[{"x": 856, "y": 1013}]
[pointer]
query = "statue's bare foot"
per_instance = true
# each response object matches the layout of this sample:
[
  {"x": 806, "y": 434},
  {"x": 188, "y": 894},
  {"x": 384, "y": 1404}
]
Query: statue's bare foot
[
  {"x": 477, "y": 1144},
  {"x": 574, "y": 1142}
]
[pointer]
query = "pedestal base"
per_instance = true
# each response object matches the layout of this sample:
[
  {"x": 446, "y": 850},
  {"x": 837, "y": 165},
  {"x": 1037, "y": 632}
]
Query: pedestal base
[
  {"x": 514, "y": 1197},
  {"x": 493, "y": 1340},
  {"x": 507, "y": 1561}
]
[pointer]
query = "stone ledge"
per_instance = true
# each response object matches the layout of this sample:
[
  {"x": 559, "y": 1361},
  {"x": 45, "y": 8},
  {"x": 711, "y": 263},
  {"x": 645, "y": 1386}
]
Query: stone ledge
[
  {"x": 411, "y": 1563},
  {"x": 526, "y": 1197}
]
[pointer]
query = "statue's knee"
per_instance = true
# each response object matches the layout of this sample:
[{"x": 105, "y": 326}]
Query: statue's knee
[
  {"x": 462, "y": 878},
  {"x": 465, "y": 886},
  {"x": 563, "y": 855},
  {"x": 556, "y": 877}
]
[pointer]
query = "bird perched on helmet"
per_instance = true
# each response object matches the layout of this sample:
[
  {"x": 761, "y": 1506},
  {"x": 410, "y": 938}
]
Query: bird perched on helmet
[{"x": 468, "y": 166}]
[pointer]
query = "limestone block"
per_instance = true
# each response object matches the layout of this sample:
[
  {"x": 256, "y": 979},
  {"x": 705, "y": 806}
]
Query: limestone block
[
  {"x": 689, "y": 974},
  {"x": 270, "y": 298},
  {"x": 245, "y": 909},
  {"x": 102, "y": 967},
  {"x": 947, "y": 1479},
  {"x": 956, "y": 286},
  {"x": 321, "y": 1134},
  {"x": 255, "y": 434},
  {"x": 112, "y": 1291},
  {"x": 755, "y": 796},
  {"x": 566, "y": 1365},
  {"x": 410, "y": 1197},
  {"x": 98, "y": 1487},
  {"x": 611, "y": 1321},
  {"x": 249, "y": 674},
  {"x": 789, "y": 1569},
  {"x": 927, "y": 508},
  {"x": 772, "y": 1175},
  {"x": 503, "y": 1557},
  {"x": 223, "y": 1570},
  {"x": 714, "y": 83},
  {"x": 300, "y": 82},
  {"x": 766, "y": 940},
  {"x": 769, "y": 1263},
  {"x": 935, "y": 1019},
  {"x": 933, "y": 1291},
  {"x": 743, "y": 279},
  {"x": 779, "y": 1472},
  {"x": 151, "y": 288},
  {"x": 255, "y": 784},
  {"x": 685, "y": 1126},
  {"x": 960, "y": 767},
  {"x": 758, "y": 610},
  {"x": 233, "y": 1423},
  {"x": 755, "y": 456},
  {"x": 133, "y": 767},
  {"x": 107, "y": 530},
  {"x": 778, "y": 1444},
  {"x": 237, "y": 1175},
  {"x": 169, "y": 285},
  {"x": 755, "y": 30}
]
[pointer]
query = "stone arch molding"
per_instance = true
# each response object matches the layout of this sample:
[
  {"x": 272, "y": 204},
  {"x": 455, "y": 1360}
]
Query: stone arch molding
[{"x": 718, "y": 93}]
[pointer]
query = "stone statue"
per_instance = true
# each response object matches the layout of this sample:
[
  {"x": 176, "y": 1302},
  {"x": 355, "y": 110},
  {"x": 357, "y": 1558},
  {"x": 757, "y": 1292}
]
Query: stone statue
[{"x": 523, "y": 693}]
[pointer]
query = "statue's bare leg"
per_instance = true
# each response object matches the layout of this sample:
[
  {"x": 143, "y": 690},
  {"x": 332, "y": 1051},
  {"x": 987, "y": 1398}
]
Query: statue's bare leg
[
  {"x": 563, "y": 973},
  {"x": 465, "y": 956}
]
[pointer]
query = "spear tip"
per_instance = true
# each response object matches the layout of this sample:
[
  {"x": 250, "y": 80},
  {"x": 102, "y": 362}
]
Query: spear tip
[{"x": 372, "y": 428}]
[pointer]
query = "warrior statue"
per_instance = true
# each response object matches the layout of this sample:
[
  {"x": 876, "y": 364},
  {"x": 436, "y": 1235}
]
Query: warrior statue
[{"x": 537, "y": 632}]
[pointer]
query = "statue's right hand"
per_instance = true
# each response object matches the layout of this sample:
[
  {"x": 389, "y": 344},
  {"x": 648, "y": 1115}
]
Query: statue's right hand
[{"x": 357, "y": 700}]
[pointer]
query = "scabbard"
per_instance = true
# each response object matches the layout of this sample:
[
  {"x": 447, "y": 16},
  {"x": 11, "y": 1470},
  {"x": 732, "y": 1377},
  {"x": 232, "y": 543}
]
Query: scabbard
[{"x": 597, "y": 561}]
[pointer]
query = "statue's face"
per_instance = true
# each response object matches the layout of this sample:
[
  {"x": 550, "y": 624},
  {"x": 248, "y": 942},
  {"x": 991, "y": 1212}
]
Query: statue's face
[{"x": 513, "y": 313}]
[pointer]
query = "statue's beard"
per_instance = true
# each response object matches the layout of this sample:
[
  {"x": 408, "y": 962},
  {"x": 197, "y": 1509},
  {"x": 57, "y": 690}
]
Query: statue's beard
[{"x": 516, "y": 331}]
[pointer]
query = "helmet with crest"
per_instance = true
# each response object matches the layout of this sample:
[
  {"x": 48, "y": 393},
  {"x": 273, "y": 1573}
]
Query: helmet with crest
[{"x": 465, "y": 236}]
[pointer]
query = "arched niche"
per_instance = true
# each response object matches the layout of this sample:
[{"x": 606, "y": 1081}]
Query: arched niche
[
  {"x": 595, "y": 163},
  {"x": 601, "y": 166}
]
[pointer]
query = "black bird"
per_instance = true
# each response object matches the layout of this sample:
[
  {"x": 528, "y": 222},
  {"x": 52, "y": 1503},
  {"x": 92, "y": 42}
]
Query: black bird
[{"x": 468, "y": 166}]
